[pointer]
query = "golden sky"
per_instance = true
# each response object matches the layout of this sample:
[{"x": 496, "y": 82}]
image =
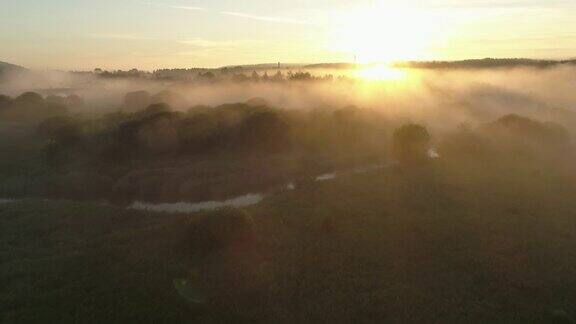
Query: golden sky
[{"x": 122, "y": 34}]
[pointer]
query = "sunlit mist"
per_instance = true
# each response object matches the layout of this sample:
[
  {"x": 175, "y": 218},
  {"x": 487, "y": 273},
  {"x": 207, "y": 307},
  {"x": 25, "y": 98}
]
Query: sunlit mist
[
  {"x": 381, "y": 72},
  {"x": 385, "y": 33}
]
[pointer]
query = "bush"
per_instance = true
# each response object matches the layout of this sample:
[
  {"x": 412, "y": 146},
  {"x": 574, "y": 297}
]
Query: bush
[{"x": 410, "y": 144}]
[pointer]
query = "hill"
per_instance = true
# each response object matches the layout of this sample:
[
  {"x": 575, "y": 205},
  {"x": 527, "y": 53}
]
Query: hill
[
  {"x": 8, "y": 67},
  {"x": 486, "y": 63},
  {"x": 8, "y": 70}
]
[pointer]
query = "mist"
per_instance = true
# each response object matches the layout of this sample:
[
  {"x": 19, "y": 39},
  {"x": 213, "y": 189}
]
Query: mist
[{"x": 438, "y": 98}]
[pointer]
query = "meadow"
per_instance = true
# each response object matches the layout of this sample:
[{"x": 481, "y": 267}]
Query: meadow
[{"x": 452, "y": 241}]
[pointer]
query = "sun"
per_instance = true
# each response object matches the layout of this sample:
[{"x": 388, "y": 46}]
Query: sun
[
  {"x": 385, "y": 34},
  {"x": 380, "y": 72}
]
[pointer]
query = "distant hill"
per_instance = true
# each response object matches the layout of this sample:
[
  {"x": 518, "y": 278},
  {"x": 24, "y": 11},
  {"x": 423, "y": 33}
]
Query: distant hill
[
  {"x": 484, "y": 63},
  {"x": 7, "y": 67},
  {"x": 264, "y": 66},
  {"x": 463, "y": 64},
  {"x": 332, "y": 66},
  {"x": 8, "y": 71}
]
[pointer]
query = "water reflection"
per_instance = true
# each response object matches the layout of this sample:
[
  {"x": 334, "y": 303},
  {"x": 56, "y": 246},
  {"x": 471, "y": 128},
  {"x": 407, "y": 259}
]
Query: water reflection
[
  {"x": 185, "y": 207},
  {"x": 327, "y": 176},
  {"x": 240, "y": 201}
]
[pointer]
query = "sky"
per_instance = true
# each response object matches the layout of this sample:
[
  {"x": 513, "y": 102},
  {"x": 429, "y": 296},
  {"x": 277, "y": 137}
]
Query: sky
[{"x": 152, "y": 34}]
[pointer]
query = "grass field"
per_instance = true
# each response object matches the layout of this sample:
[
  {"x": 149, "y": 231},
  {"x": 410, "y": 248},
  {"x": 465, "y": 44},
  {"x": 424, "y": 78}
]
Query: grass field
[{"x": 444, "y": 243}]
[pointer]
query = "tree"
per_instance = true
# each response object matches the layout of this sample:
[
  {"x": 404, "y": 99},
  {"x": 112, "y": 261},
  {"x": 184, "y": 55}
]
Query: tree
[
  {"x": 63, "y": 139},
  {"x": 136, "y": 100},
  {"x": 515, "y": 133},
  {"x": 265, "y": 131},
  {"x": 157, "y": 108},
  {"x": 5, "y": 102},
  {"x": 74, "y": 101},
  {"x": 410, "y": 144},
  {"x": 528, "y": 129},
  {"x": 158, "y": 135},
  {"x": 29, "y": 98},
  {"x": 31, "y": 107},
  {"x": 300, "y": 76},
  {"x": 170, "y": 98},
  {"x": 257, "y": 102}
]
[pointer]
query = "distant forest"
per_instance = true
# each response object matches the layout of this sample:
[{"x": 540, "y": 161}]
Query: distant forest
[{"x": 279, "y": 72}]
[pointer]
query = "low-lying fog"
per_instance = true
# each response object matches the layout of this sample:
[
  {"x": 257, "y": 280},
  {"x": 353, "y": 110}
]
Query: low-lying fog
[
  {"x": 433, "y": 97},
  {"x": 116, "y": 136}
]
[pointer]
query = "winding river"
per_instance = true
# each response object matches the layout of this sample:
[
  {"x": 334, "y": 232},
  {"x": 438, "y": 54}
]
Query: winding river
[{"x": 240, "y": 201}]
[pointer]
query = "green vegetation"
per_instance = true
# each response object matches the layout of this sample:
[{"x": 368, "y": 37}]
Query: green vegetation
[
  {"x": 467, "y": 238},
  {"x": 410, "y": 144},
  {"x": 482, "y": 234},
  {"x": 147, "y": 151}
]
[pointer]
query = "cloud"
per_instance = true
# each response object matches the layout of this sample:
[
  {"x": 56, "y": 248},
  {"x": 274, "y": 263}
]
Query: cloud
[
  {"x": 198, "y": 43},
  {"x": 500, "y": 4},
  {"x": 188, "y": 8},
  {"x": 120, "y": 36},
  {"x": 272, "y": 19},
  {"x": 182, "y": 7},
  {"x": 265, "y": 18},
  {"x": 204, "y": 43}
]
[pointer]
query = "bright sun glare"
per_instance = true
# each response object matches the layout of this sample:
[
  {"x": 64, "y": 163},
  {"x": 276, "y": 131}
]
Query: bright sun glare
[
  {"x": 380, "y": 72},
  {"x": 385, "y": 34}
]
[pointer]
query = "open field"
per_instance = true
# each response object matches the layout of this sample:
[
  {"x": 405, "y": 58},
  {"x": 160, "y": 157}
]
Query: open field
[{"x": 444, "y": 243}]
